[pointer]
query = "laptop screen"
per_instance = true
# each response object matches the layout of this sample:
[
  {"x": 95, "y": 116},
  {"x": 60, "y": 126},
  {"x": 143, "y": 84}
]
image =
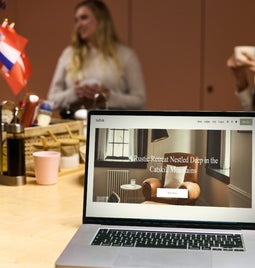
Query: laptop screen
[{"x": 166, "y": 166}]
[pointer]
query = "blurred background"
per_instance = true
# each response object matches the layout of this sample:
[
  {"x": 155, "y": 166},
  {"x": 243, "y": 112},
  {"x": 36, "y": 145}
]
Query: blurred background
[{"x": 183, "y": 46}]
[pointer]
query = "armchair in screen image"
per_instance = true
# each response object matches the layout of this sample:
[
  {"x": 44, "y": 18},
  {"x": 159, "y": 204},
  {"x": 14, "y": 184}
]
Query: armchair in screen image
[{"x": 180, "y": 171}]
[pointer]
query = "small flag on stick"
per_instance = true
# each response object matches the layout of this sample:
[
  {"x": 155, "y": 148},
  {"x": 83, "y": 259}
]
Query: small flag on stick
[{"x": 14, "y": 63}]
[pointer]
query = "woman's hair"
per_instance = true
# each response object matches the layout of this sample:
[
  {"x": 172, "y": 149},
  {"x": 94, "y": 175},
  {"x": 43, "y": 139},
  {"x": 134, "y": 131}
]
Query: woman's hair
[{"x": 106, "y": 37}]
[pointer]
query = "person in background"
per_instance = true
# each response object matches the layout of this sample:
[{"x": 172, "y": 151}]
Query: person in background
[
  {"x": 97, "y": 69},
  {"x": 244, "y": 92}
]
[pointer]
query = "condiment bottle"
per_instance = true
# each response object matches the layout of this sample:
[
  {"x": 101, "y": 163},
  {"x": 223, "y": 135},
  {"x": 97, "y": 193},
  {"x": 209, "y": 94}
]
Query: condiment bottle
[{"x": 31, "y": 104}]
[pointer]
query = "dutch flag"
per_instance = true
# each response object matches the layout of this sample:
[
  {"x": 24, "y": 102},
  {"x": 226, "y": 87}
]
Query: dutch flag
[
  {"x": 11, "y": 45},
  {"x": 14, "y": 64}
]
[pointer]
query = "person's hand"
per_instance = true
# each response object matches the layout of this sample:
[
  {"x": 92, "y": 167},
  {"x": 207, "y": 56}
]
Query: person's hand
[
  {"x": 249, "y": 62},
  {"x": 85, "y": 91},
  {"x": 101, "y": 98},
  {"x": 98, "y": 93},
  {"x": 90, "y": 91},
  {"x": 231, "y": 63},
  {"x": 239, "y": 72}
]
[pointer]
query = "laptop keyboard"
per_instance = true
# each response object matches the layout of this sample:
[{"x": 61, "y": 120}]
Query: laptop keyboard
[{"x": 174, "y": 240}]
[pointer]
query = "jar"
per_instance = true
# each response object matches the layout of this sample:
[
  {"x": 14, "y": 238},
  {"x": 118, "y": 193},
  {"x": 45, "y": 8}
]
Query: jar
[
  {"x": 70, "y": 158},
  {"x": 44, "y": 114}
]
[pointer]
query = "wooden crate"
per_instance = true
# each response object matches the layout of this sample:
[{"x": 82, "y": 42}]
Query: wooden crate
[{"x": 58, "y": 128}]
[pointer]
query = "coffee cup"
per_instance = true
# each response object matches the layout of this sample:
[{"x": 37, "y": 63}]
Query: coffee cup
[{"x": 46, "y": 167}]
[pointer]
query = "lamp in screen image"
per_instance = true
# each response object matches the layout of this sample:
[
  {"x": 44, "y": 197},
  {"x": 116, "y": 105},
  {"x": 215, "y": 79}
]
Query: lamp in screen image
[{"x": 158, "y": 135}]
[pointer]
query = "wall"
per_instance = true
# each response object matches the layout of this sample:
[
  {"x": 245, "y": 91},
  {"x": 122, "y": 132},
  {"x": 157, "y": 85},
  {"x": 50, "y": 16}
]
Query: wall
[
  {"x": 167, "y": 36},
  {"x": 241, "y": 164},
  {"x": 48, "y": 25},
  {"x": 238, "y": 193},
  {"x": 183, "y": 45},
  {"x": 226, "y": 23}
]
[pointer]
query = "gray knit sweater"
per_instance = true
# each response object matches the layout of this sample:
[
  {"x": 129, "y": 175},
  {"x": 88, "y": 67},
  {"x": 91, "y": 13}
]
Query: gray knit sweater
[{"x": 126, "y": 91}]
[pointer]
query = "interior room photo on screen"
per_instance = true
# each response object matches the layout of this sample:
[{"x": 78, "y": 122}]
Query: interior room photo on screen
[{"x": 180, "y": 167}]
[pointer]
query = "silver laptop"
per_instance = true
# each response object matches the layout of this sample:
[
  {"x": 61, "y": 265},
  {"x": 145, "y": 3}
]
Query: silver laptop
[{"x": 167, "y": 189}]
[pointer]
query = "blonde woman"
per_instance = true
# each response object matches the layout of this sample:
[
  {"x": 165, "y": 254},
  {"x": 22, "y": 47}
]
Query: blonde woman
[{"x": 97, "y": 69}]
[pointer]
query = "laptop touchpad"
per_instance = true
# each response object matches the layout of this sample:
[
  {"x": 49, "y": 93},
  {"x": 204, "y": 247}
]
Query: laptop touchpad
[{"x": 163, "y": 258}]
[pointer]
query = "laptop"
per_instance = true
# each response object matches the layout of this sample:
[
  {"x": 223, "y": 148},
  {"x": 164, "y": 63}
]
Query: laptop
[{"x": 167, "y": 189}]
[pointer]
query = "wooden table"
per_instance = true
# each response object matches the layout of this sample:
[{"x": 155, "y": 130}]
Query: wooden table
[{"x": 37, "y": 222}]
